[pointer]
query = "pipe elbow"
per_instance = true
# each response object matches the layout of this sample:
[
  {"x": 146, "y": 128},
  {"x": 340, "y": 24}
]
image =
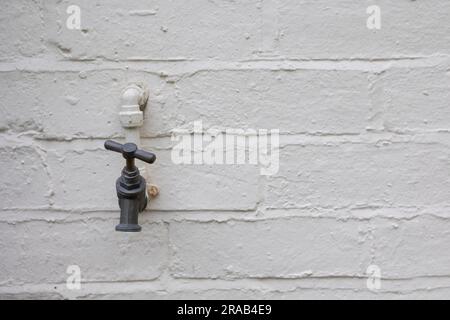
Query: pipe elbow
[
  {"x": 133, "y": 101},
  {"x": 133, "y": 94}
]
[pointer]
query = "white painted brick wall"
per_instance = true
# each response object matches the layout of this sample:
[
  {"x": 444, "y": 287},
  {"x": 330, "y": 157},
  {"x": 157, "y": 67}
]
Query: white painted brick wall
[{"x": 364, "y": 172}]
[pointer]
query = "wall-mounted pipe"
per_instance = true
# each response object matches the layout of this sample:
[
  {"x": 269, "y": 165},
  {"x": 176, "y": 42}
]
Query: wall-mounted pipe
[
  {"x": 133, "y": 103},
  {"x": 131, "y": 114}
]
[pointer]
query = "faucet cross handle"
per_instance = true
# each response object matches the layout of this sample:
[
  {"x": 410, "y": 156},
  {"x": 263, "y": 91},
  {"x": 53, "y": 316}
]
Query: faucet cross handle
[{"x": 130, "y": 152}]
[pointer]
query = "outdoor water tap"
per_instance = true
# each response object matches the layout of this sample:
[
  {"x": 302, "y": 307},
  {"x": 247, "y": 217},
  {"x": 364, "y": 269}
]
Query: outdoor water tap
[{"x": 130, "y": 185}]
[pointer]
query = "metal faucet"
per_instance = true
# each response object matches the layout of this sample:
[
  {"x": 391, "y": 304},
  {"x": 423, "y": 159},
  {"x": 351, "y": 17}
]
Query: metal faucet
[{"x": 130, "y": 185}]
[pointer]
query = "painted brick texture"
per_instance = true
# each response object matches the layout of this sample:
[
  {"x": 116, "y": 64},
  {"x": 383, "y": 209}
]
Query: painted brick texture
[{"x": 364, "y": 155}]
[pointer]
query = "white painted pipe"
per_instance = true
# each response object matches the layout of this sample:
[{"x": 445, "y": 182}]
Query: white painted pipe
[{"x": 131, "y": 114}]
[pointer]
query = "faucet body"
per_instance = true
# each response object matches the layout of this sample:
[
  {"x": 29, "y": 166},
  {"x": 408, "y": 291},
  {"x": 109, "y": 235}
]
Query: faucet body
[
  {"x": 132, "y": 197},
  {"x": 130, "y": 185}
]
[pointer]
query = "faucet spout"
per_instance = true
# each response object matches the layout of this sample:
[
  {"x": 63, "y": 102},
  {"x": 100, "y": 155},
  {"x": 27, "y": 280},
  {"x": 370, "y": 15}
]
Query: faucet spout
[{"x": 129, "y": 211}]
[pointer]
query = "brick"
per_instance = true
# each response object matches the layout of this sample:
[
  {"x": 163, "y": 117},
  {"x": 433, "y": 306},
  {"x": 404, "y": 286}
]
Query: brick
[
  {"x": 41, "y": 251},
  {"x": 85, "y": 179},
  {"x": 297, "y": 101},
  {"x": 390, "y": 174},
  {"x": 156, "y": 30},
  {"x": 327, "y": 291},
  {"x": 25, "y": 182},
  {"x": 414, "y": 99},
  {"x": 279, "y": 248},
  {"x": 412, "y": 248},
  {"x": 22, "y": 295},
  {"x": 318, "y": 30},
  {"x": 203, "y": 187},
  {"x": 22, "y": 30}
]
